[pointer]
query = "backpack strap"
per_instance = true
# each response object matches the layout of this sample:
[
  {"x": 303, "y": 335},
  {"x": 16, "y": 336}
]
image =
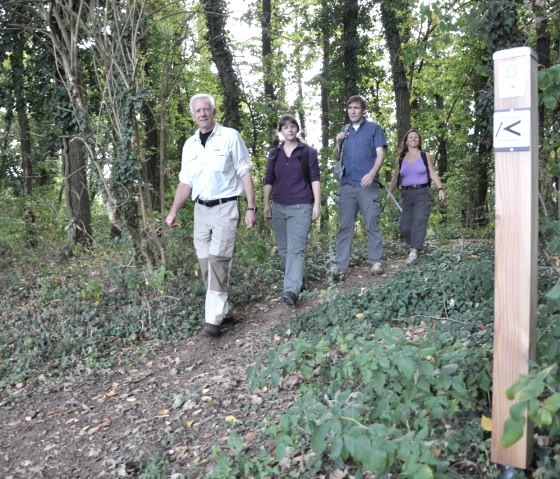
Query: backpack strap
[
  {"x": 425, "y": 160},
  {"x": 400, "y": 167},
  {"x": 303, "y": 158}
]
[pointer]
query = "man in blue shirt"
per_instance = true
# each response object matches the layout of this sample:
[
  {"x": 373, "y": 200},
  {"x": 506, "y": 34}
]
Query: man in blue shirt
[{"x": 361, "y": 148}]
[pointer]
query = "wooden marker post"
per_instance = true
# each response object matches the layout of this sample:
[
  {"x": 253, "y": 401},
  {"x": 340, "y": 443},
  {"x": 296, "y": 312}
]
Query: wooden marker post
[{"x": 515, "y": 288}]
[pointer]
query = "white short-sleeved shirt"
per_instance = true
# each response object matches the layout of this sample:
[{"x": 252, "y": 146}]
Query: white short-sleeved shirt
[{"x": 214, "y": 171}]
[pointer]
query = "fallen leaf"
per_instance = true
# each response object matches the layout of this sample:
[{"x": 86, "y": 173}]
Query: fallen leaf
[
  {"x": 264, "y": 389},
  {"x": 486, "y": 423},
  {"x": 105, "y": 422},
  {"x": 164, "y": 412},
  {"x": 337, "y": 474},
  {"x": 436, "y": 452},
  {"x": 111, "y": 393},
  {"x": 230, "y": 418},
  {"x": 359, "y": 315},
  {"x": 190, "y": 423}
]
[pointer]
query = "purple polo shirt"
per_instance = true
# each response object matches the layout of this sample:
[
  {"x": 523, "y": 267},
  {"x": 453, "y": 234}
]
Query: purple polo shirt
[
  {"x": 286, "y": 178},
  {"x": 359, "y": 151}
]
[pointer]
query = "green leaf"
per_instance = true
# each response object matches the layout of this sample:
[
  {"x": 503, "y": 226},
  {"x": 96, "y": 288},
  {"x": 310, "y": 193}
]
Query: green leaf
[
  {"x": 545, "y": 418},
  {"x": 336, "y": 449},
  {"x": 552, "y": 403},
  {"x": 449, "y": 368},
  {"x": 280, "y": 450},
  {"x": 378, "y": 381},
  {"x": 549, "y": 102},
  {"x": 358, "y": 447},
  {"x": 532, "y": 390},
  {"x": 376, "y": 460},
  {"x": 318, "y": 438},
  {"x": 513, "y": 431},
  {"x": 517, "y": 411},
  {"x": 405, "y": 366},
  {"x": 553, "y": 296},
  {"x": 423, "y": 472}
]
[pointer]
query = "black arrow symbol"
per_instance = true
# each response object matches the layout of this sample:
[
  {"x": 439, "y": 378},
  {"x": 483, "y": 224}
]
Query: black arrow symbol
[{"x": 509, "y": 128}]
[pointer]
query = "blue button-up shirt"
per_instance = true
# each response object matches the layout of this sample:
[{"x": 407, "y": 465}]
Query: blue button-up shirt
[{"x": 359, "y": 151}]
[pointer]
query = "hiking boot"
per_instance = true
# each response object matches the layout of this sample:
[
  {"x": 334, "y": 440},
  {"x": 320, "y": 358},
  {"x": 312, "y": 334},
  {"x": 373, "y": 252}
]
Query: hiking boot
[
  {"x": 377, "y": 269},
  {"x": 337, "y": 274},
  {"x": 290, "y": 299},
  {"x": 210, "y": 330},
  {"x": 412, "y": 257}
]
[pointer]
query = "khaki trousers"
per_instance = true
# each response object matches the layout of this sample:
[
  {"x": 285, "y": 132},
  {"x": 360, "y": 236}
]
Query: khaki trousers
[{"x": 215, "y": 229}]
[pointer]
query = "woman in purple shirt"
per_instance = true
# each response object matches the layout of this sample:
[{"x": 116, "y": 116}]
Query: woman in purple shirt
[
  {"x": 292, "y": 177},
  {"x": 413, "y": 170}
]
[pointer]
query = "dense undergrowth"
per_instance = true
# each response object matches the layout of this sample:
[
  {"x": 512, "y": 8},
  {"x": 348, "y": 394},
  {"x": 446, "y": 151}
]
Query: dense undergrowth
[
  {"x": 395, "y": 379},
  {"x": 82, "y": 311}
]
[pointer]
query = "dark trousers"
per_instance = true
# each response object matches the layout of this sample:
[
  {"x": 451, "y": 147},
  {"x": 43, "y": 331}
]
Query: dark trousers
[{"x": 416, "y": 205}]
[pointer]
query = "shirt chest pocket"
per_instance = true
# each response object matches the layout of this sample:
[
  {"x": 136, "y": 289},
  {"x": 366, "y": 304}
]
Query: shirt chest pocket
[{"x": 219, "y": 160}]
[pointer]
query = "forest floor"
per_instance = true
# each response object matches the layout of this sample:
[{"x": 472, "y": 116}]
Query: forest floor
[{"x": 163, "y": 405}]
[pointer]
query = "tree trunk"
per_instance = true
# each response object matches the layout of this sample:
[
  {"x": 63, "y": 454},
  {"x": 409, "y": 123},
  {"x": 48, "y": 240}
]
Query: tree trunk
[
  {"x": 76, "y": 192},
  {"x": 325, "y": 110},
  {"x": 23, "y": 120},
  {"x": 400, "y": 84},
  {"x": 350, "y": 41},
  {"x": 442, "y": 154},
  {"x": 65, "y": 39},
  {"x": 216, "y": 36},
  {"x": 299, "y": 99},
  {"x": 268, "y": 72},
  {"x": 325, "y": 74},
  {"x": 544, "y": 41},
  {"x": 151, "y": 166}
]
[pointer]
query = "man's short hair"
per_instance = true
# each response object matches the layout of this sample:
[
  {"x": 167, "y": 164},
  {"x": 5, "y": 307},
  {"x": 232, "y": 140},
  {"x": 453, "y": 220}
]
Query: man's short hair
[
  {"x": 357, "y": 99},
  {"x": 287, "y": 119},
  {"x": 202, "y": 96}
]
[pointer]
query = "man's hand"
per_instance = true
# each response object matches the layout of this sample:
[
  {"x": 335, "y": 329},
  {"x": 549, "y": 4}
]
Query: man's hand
[
  {"x": 367, "y": 180},
  {"x": 250, "y": 218},
  {"x": 171, "y": 220}
]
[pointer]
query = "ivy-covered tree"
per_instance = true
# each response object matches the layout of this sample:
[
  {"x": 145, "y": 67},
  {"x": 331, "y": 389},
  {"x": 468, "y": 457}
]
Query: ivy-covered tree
[{"x": 218, "y": 43}]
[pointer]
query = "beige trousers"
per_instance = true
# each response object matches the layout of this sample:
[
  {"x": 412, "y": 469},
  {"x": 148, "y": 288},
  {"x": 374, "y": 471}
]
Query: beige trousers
[{"x": 215, "y": 229}]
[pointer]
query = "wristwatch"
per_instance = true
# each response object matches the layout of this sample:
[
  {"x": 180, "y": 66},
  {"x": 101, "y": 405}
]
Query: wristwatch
[{"x": 252, "y": 209}]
